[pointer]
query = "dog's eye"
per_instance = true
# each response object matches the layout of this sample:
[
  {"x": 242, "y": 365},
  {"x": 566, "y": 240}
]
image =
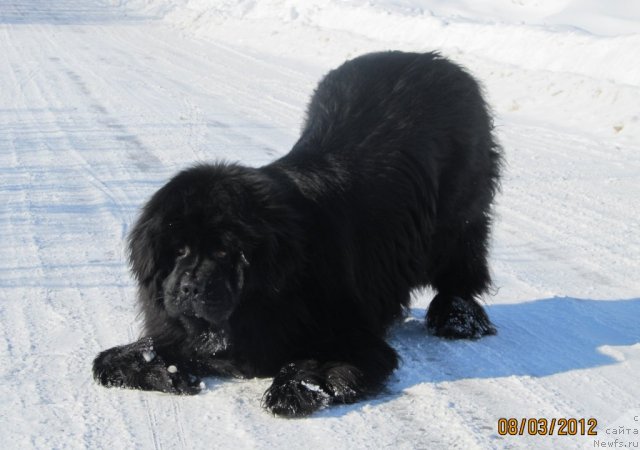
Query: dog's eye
[
  {"x": 182, "y": 252},
  {"x": 219, "y": 254}
]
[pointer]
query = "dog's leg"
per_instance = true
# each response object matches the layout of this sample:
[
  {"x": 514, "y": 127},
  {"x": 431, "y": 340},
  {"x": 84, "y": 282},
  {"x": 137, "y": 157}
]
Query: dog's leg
[
  {"x": 345, "y": 375},
  {"x": 454, "y": 313}
]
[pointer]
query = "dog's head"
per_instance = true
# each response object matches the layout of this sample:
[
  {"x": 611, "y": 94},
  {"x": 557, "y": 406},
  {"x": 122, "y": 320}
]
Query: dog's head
[{"x": 194, "y": 245}]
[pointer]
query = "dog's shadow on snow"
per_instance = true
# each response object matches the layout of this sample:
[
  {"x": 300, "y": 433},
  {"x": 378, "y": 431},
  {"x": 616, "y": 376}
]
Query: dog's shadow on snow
[{"x": 537, "y": 338}]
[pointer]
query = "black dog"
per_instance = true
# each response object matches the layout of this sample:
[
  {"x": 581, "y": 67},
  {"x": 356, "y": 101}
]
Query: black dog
[{"x": 296, "y": 269}]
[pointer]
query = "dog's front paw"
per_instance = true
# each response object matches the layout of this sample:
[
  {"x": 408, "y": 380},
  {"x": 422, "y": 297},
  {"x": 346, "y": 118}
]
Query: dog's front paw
[
  {"x": 137, "y": 366},
  {"x": 295, "y": 392}
]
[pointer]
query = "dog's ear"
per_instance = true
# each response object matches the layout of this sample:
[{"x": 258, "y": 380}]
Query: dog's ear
[
  {"x": 145, "y": 243},
  {"x": 143, "y": 256}
]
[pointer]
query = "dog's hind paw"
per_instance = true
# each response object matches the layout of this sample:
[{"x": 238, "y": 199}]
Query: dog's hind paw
[{"x": 454, "y": 317}]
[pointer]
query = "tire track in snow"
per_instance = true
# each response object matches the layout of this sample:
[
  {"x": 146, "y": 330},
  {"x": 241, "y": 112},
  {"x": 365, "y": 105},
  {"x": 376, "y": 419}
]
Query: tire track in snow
[
  {"x": 73, "y": 79},
  {"x": 49, "y": 88},
  {"x": 238, "y": 116},
  {"x": 21, "y": 222},
  {"x": 143, "y": 159},
  {"x": 53, "y": 138},
  {"x": 178, "y": 414},
  {"x": 150, "y": 162},
  {"x": 29, "y": 144},
  {"x": 152, "y": 421},
  {"x": 540, "y": 221}
]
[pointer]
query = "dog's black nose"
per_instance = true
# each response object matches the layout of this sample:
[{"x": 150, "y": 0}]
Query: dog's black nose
[{"x": 189, "y": 286}]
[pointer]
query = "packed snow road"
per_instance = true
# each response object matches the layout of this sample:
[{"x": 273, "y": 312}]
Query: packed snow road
[{"x": 99, "y": 105}]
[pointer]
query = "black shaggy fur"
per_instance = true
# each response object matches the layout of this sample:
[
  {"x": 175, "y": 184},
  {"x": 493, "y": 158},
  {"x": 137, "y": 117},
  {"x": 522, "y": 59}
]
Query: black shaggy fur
[{"x": 295, "y": 270}]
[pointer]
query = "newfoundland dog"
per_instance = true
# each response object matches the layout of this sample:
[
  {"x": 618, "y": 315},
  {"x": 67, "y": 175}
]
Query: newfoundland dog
[{"x": 295, "y": 270}]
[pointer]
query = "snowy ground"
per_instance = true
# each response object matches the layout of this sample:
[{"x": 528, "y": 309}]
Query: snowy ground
[{"x": 100, "y": 102}]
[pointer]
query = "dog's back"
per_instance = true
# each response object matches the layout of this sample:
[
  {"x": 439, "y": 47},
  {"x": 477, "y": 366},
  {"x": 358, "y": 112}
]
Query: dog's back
[{"x": 401, "y": 145}]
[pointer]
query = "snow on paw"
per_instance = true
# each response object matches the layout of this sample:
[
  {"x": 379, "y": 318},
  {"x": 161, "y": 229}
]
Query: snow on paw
[
  {"x": 169, "y": 380},
  {"x": 343, "y": 382}
]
